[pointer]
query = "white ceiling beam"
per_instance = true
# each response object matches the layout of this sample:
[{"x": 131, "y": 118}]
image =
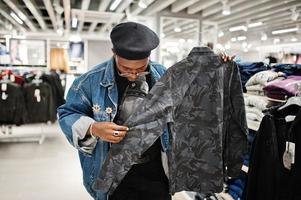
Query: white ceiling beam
[
  {"x": 261, "y": 8},
  {"x": 9, "y": 18},
  {"x": 245, "y": 6},
  {"x": 102, "y": 7},
  {"x": 35, "y": 13},
  {"x": 85, "y": 6},
  {"x": 136, "y": 10},
  {"x": 51, "y": 13},
  {"x": 124, "y": 4},
  {"x": 67, "y": 11},
  {"x": 181, "y": 5},
  {"x": 260, "y": 16},
  {"x": 156, "y": 7},
  {"x": 20, "y": 14},
  {"x": 200, "y": 6},
  {"x": 216, "y": 10},
  {"x": 262, "y": 19}
]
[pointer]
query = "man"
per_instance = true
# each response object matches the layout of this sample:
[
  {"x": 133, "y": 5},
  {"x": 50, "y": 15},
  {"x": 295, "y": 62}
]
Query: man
[
  {"x": 87, "y": 118},
  {"x": 89, "y": 115}
]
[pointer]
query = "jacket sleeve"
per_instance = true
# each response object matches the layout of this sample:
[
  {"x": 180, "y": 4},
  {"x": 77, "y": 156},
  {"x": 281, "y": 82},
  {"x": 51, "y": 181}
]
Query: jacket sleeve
[{"x": 75, "y": 118}]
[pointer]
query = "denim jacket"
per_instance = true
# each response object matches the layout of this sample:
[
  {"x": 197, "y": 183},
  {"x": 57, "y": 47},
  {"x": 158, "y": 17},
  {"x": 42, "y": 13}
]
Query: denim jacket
[{"x": 86, "y": 102}]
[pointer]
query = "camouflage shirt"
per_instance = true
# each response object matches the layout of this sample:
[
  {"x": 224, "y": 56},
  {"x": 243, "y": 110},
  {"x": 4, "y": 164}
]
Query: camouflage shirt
[{"x": 200, "y": 100}]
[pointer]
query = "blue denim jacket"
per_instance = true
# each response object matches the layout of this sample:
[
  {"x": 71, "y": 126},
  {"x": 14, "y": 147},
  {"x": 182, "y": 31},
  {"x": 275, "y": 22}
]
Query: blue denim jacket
[{"x": 86, "y": 102}]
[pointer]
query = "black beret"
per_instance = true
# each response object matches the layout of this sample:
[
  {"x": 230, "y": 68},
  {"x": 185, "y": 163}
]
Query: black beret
[{"x": 133, "y": 41}]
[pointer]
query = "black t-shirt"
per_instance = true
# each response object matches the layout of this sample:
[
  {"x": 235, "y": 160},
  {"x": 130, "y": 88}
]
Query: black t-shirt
[{"x": 155, "y": 150}]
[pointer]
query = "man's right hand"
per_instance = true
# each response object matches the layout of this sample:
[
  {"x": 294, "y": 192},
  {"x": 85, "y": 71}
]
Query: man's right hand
[{"x": 106, "y": 130}]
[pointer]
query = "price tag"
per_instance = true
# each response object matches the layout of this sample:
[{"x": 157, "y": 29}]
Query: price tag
[
  {"x": 3, "y": 87},
  {"x": 4, "y": 96},
  {"x": 12, "y": 78}
]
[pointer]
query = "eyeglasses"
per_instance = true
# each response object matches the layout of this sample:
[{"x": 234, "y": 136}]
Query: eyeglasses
[{"x": 129, "y": 74}]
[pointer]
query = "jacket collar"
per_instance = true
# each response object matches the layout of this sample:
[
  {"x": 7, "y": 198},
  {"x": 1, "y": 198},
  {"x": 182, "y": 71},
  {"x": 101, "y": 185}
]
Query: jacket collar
[
  {"x": 201, "y": 50},
  {"x": 109, "y": 77}
]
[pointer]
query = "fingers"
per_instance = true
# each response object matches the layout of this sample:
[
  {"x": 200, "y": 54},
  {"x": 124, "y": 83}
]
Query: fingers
[{"x": 119, "y": 128}]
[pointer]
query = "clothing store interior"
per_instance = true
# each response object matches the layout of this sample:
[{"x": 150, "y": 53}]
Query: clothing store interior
[{"x": 229, "y": 103}]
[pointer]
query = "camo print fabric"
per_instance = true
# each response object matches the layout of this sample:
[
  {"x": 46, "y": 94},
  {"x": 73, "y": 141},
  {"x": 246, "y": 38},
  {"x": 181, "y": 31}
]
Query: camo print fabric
[{"x": 200, "y": 100}]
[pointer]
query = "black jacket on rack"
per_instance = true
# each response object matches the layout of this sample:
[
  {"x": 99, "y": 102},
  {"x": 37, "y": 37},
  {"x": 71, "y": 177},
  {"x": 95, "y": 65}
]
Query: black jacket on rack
[
  {"x": 268, "y": 179},
  {"x": 56, "y": 86},
  {"x": 12, "y": 108},
  {"x": 39, "y": 109},
  {"x": 200, "y": 98}
]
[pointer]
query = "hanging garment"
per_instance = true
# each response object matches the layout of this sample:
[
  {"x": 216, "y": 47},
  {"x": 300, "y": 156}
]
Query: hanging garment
[
  {"x": 200, "y": 98},
  {"x": 12, "y": 104},
  {"x": 39, "y": 102},
  {"x": 267, "y": 176}
]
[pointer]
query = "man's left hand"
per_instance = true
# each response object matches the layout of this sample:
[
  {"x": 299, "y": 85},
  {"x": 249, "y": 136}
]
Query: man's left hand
[{"x": 226, "y": 57}]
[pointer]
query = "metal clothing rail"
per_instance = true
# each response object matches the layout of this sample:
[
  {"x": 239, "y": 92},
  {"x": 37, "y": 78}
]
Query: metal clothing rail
[{"x": 23, "y": 133}]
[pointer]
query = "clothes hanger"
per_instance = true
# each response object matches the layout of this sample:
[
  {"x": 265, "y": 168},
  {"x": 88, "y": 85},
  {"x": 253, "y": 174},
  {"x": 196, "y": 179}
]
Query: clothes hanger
[{"x": 296, "y": 100}]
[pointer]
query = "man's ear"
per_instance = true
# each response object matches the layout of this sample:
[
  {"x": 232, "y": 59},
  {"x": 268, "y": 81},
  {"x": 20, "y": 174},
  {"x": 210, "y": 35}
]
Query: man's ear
[{"x": 113, "y": 50}]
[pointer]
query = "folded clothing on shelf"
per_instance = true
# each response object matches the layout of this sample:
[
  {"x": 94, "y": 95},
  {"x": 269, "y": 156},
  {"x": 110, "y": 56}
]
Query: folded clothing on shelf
[
  {"x": 288, "y": 69},
  {"x": 283, "y": 89}
]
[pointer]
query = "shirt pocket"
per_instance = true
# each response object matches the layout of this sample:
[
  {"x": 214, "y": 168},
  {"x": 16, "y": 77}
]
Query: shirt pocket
[{"x": 101, "y": 116}]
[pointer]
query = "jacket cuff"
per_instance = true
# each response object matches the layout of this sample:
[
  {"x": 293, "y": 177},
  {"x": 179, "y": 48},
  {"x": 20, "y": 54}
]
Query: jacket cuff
[{"x": 79, "y": 130}]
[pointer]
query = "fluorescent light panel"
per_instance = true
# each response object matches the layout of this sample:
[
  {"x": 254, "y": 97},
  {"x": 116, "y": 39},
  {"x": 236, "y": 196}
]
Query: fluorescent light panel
[
  {"x": 284, "y": 31},
  {"x": 16, "y": 17},
  {"x": 255, "y": 24},
  {"x": 240, "y": 38},
  {"x": 238, "y": 28},
  {"x": 74, "y": 22},
  {"x": 114, "y": 5}
]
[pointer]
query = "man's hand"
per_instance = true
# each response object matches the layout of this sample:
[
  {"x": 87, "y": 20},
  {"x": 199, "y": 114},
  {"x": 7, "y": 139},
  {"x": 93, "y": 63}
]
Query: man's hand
[
  {"x": 109, "y": 131},
  {"x": 225, "y": 57}
]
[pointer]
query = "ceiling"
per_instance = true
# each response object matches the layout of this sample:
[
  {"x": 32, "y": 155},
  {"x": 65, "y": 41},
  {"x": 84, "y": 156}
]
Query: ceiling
[{"x": 98, "y": 16}]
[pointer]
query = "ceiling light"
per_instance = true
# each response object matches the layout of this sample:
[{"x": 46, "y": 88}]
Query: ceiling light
[
  {"x": 264, "y": 37},
  {"x": 249, "y": 46},
  {"x": 221, "y": 34},
  {"x": 114, "y": 5},
  {"x": 60, "y": 31},
  {"x": 142, "y": 4},
  {"x": 246, "y": 50},
  {"x": 255, "y": 24},
  {"x": 74, "y": 22},
  {"x": 240, "y": 38},
  {"x": 177, "y": 29},
  {"x": 276, "y": 40},
  {"x": 16, "y": 17},
  {"x": 284, "y": 31},
  {"x": 233, "y": 39},
  {"x": 162, "y": 35},
  {"x": 190, "y": 41},
  {"x": 238, "y": 28},
  {"x": 294, "y": 39},
  {"x": 226, "y": 8},
  {"x": 228, "y": 45},
  {"x": 181, "y": 40}
]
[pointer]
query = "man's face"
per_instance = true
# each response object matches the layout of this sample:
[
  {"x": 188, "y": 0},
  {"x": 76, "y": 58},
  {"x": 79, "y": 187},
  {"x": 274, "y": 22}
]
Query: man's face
[{"x": 131, "y": 69}]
